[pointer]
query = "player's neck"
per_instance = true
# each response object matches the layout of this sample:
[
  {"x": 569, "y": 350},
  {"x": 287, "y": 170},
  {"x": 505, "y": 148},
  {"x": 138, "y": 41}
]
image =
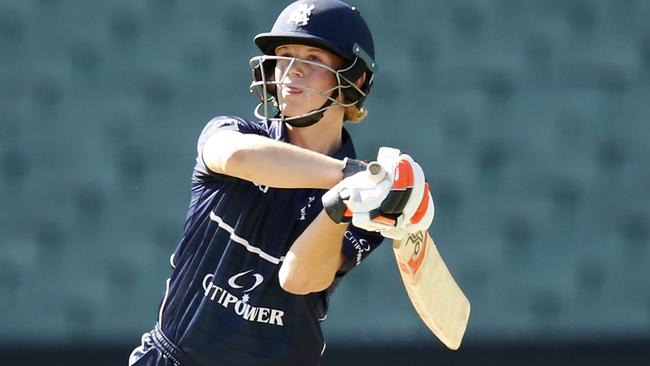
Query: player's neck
[{"x": 324, "y": 137}]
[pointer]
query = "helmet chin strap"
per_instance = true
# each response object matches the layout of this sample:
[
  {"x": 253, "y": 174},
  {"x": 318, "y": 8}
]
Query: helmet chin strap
[{"x": 311, "y": 118}]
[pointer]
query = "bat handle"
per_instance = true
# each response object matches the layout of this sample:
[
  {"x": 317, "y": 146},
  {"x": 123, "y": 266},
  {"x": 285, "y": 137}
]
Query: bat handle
[{"x": 376, "y": 172}]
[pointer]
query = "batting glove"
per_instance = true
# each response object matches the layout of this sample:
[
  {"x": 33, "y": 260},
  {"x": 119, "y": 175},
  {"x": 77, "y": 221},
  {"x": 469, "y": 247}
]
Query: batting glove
[
  {"x": 358, "y": 194},
  {"x": 390, "y": 197},
  {"x": 408, "y": 207}
]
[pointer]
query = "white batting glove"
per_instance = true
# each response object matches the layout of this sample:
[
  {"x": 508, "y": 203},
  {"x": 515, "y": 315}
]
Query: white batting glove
[
  {"x": 357, "y": 195},
  {"x": 362, "y": 193},
  {"x": 418, "y": 211},
  {"x": 420, "y": 221},
  {"x": 390, "y": 197},
  {"x": 408, "y": 207}
]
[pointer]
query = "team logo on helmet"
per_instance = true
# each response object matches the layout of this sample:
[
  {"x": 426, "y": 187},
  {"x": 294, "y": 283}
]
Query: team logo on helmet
[{"x": 300, "y": 15}]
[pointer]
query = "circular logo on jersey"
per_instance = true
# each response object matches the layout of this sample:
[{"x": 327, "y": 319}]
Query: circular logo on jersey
[{"x": 233, "y": 281}]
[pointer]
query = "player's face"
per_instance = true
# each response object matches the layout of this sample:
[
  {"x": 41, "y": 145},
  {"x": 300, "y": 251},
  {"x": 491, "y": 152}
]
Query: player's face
[{"x": 296, "y": 78}]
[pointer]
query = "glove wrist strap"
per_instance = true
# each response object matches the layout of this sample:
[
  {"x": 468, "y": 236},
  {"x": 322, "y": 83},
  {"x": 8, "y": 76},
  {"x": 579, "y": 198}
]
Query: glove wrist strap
[{"x": 352, "y": 167}]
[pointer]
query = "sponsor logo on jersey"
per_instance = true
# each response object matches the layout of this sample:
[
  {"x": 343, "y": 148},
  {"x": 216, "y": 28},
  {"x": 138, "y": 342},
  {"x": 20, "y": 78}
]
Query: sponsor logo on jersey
[
  {"x": 258, "y": 280},
  {"x": 303, "y": 211},
  {"x": 300, "y": 15},
  {"x": 262, "y": 187},
  {"x": 243, "y": 282},
  {"x": 361, "y": 245}
]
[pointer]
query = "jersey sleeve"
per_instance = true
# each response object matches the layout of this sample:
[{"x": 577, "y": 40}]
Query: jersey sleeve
[
  {"x": 201, "y": 171},
  {"x": 357, "y": 245}
]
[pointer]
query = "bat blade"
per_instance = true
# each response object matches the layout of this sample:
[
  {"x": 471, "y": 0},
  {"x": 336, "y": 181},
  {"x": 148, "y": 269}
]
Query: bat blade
[{"x": 432, "y": 289}]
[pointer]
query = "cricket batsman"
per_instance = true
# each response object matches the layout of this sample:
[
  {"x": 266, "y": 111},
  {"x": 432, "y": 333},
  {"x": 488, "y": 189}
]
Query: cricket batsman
[{"x": 260, "y": 257}]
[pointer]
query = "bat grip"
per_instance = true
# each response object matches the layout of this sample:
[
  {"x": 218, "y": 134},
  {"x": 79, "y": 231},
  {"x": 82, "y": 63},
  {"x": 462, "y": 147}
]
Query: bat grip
[{"x": 376, "y": 172}]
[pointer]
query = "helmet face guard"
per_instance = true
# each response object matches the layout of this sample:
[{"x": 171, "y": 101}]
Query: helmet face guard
[
  {"x": 265, "y": 86},
  {"x": 330, "y": 25}
]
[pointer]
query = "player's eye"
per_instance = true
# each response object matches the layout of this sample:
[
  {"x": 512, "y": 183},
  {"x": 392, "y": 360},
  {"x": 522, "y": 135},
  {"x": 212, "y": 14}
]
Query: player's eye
[
  {"x": 283, "y": 52},
  {"x": 282, "y": 63},
  {"x": 314, "y": 58}
]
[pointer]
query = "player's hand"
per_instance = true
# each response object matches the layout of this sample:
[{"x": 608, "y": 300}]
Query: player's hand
[
  {"x": 368, "y": 193},
  {"x": 411, "y": 222},
  {"x": 358, "y": 194},
  {"x": 408, "y": 207},
  {"x": 390, "y": 197}
]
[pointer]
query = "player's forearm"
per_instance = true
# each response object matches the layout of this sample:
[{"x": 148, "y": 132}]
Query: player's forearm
[
  {"x": 269, "y": 162},
  {"x": 312, "y": 261}
]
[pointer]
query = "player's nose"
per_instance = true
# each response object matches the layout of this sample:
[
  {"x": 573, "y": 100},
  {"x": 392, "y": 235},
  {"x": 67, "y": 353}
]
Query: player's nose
[
  {"x": 293, "y": 68},
  {"x": 296, "y": 69}
]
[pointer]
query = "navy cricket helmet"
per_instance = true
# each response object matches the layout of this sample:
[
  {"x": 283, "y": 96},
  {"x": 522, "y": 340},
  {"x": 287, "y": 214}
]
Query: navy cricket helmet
[{"x": 330, "y": 25}]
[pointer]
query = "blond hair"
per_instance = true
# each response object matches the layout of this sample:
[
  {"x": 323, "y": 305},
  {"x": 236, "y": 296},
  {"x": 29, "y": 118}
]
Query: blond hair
[{"x": 354, "y": 115}]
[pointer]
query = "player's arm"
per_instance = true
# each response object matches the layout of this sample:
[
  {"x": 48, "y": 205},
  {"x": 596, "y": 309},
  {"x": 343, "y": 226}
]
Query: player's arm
[
  {"x": 314, "y": 258},
  {"x": 311, "y": 263},
  {"x": 393, "y": 204},
  {"x": 269, "y": 162}
]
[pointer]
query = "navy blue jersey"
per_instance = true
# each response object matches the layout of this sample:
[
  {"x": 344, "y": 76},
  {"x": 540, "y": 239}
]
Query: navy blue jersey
[{"x": 224, "y": 304}]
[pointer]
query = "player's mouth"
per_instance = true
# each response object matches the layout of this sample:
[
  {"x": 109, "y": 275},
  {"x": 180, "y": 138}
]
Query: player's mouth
[{"x": 291, "y": 90}]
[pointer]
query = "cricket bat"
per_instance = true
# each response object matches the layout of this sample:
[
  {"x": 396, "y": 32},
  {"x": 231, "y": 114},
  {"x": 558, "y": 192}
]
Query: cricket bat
[{"x": 433, "y": 291}]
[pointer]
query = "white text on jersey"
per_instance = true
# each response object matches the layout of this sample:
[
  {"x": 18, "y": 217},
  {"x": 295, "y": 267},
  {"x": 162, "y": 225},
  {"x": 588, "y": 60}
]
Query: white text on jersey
[
  {"x": 360, "y": 245},
  {"x": 240, "y": 306}
]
